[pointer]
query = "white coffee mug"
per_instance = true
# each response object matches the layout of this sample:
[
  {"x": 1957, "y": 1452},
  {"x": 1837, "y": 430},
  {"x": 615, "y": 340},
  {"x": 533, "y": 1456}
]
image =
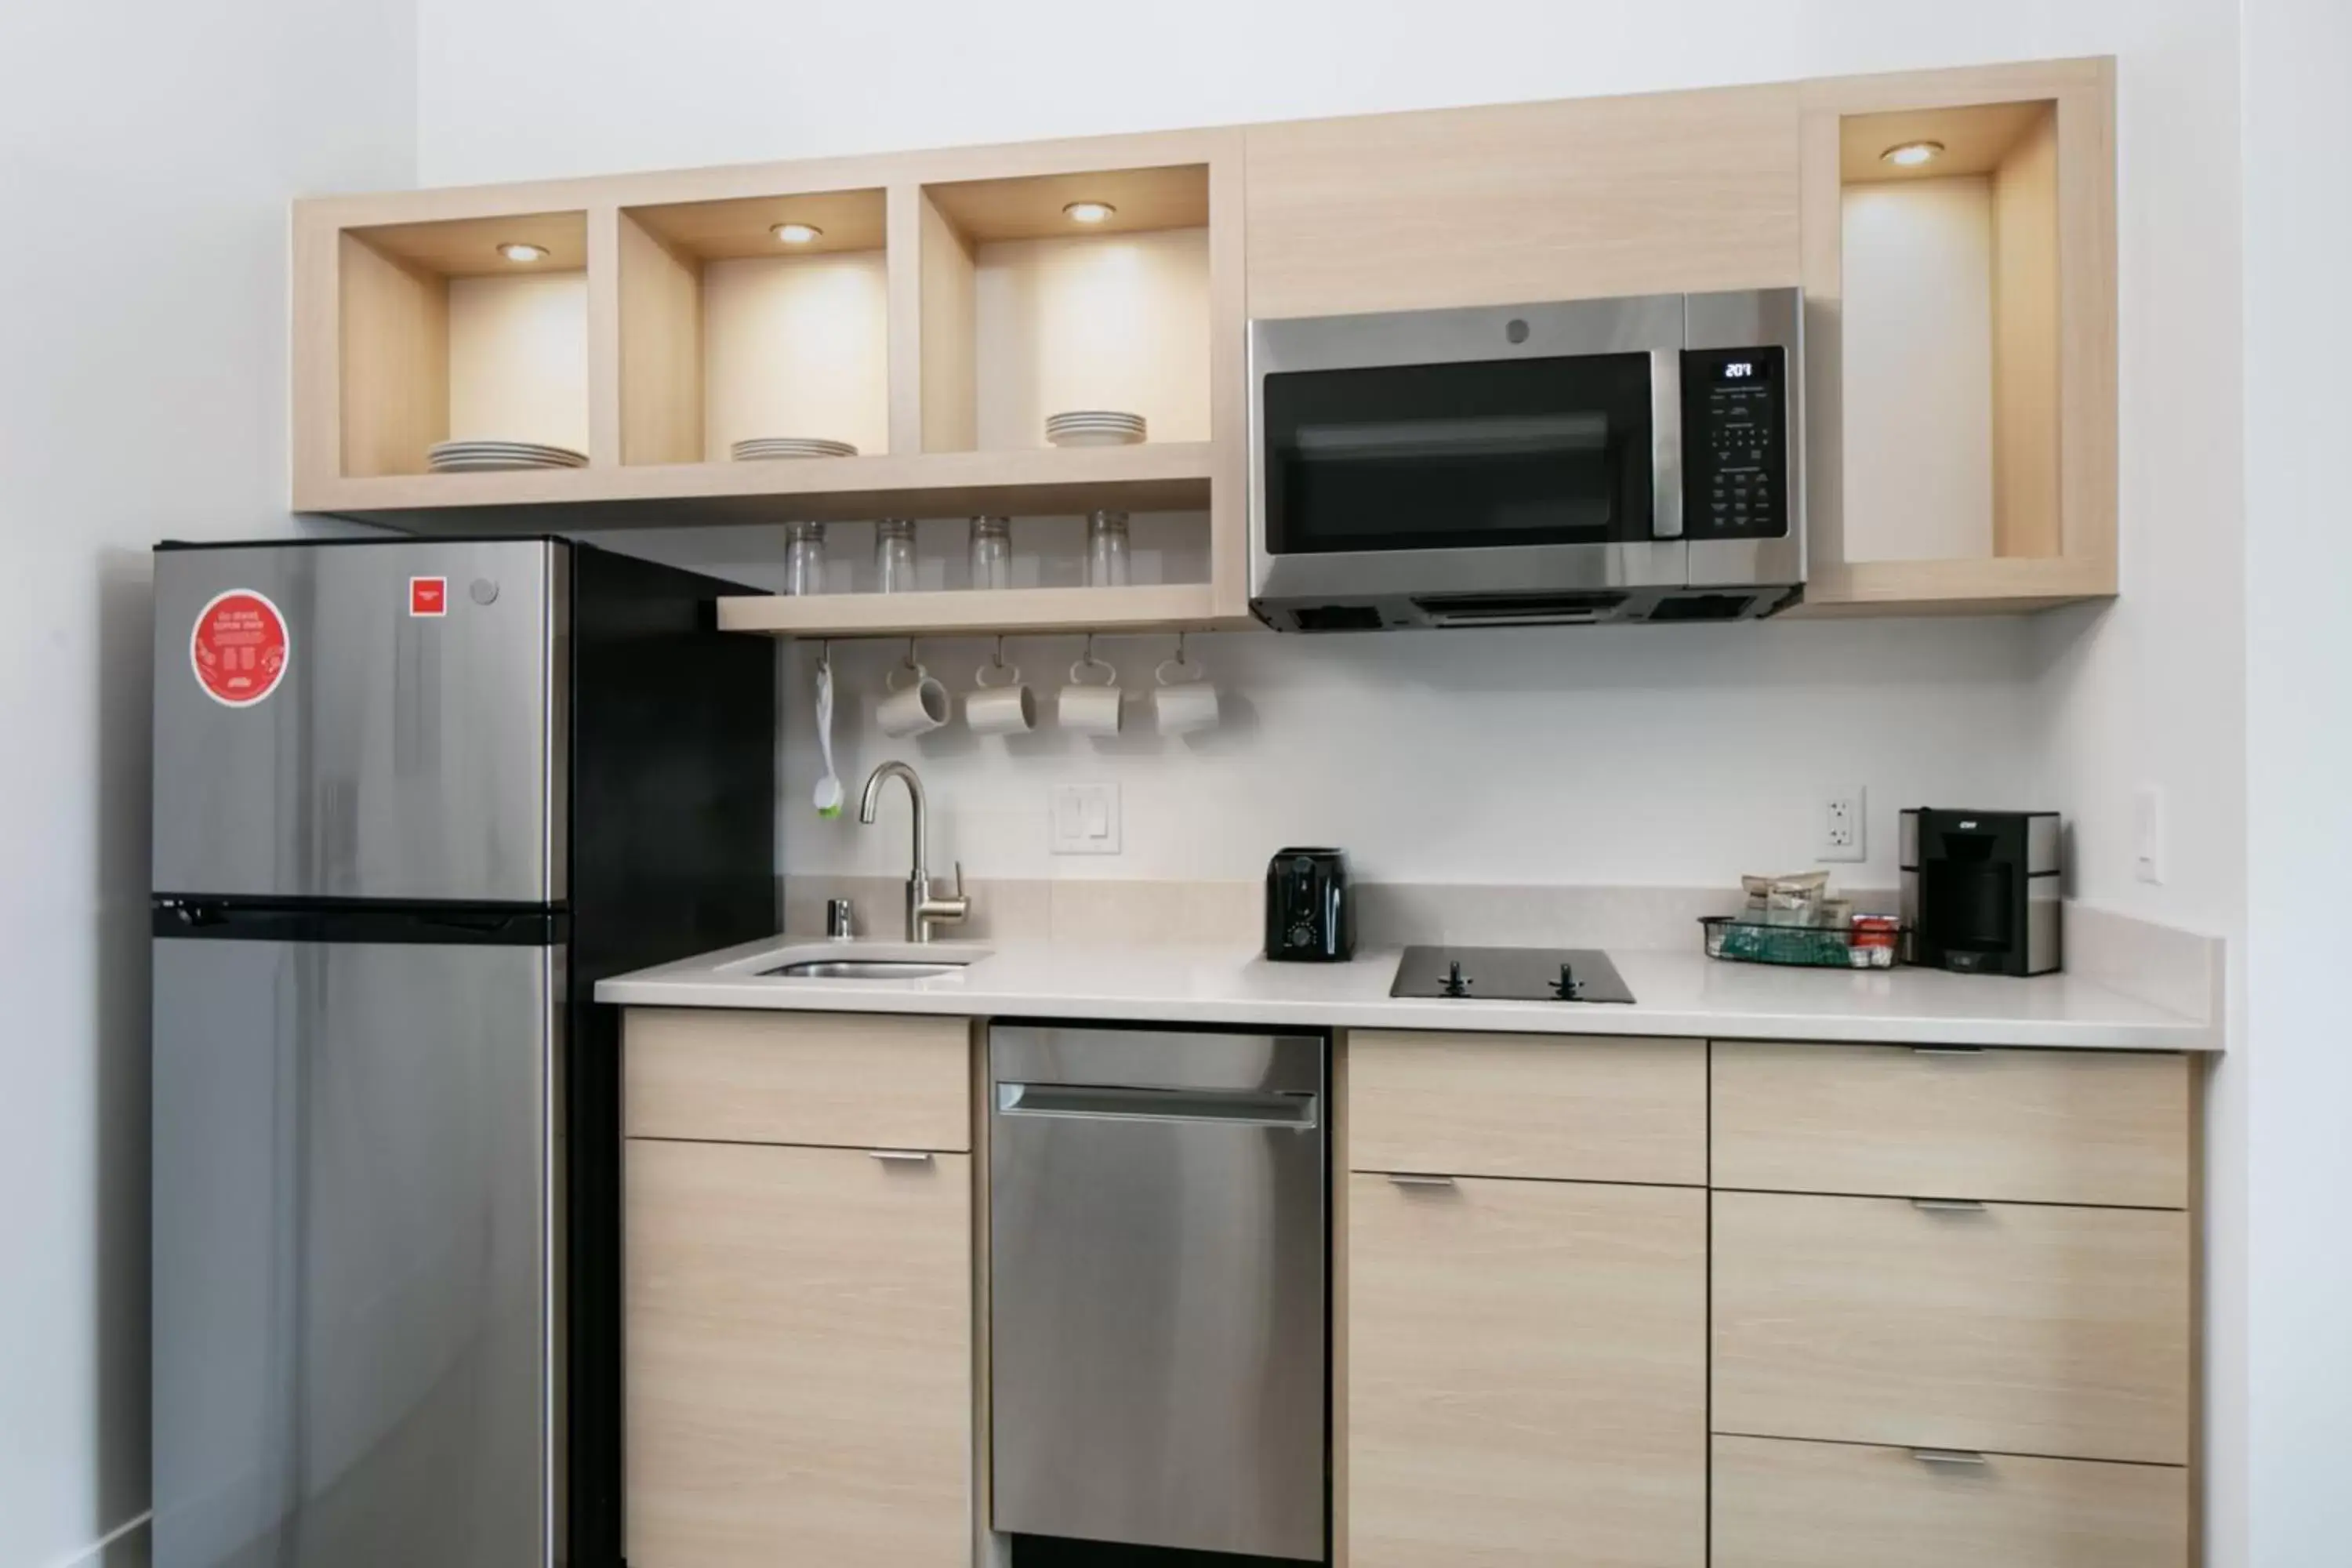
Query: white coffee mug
[
  {"x": 1090, "y": 710},
  {"x": 916, "y": 708},
  {"x": 1006, "y": 709},
  {"x": 1184, "y": 705}
]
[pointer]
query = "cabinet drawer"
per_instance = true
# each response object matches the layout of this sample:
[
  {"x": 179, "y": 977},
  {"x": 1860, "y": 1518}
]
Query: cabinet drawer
[
  {"x": 800, "y": 1363},
  {"x": 2016, "y": 1329},
  {"x": 1836, "y": 1505},
  {"x": 1567, "y": 1108},
  {"x": 2054, "y": 1127},
  {"x": 850, "y": 1079},
  {"x": 1526, "y": 1377}
]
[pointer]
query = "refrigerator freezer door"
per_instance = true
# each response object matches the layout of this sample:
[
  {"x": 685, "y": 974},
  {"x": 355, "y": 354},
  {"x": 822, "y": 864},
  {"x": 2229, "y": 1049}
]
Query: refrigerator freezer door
[
  {"x": 353, "y": 1202},
  {"x": 411, "y": 750}
]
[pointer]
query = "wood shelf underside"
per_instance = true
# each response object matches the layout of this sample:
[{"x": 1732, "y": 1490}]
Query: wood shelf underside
[
  {"x": 1178, "y": 607},
  {"x": 1162, "y": 477}
]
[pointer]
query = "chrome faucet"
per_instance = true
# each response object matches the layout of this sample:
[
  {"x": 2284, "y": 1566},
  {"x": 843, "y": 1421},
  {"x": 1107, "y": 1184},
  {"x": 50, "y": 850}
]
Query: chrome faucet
[{"x": 923, "y": 910}]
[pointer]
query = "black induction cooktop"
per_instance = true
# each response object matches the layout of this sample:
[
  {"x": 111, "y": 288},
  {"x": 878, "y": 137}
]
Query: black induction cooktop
[{"x": 1510, "y": 975}]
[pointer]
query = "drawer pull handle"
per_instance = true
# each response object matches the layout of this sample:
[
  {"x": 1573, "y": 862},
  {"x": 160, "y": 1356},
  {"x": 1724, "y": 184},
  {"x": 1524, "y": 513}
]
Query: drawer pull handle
[
  {"x": 1947, "y": 1457},
  {"x": 1948, "y": 1205},
  {"x": 1948, "y": 1050},
  {"x": 1408, "y": 1179},
  {"x": 901, "y": 1156}
]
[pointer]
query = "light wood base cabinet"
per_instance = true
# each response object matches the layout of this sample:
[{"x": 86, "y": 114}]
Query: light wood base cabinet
[
  {"x": 799, "y": 1357},
  {"x": 2109, "y": 1128},
  {"x": 1525, "y": 1375},
  {"x": 2012, "y": 1327},
  {"x": 1842, "y": 1505},
  {"x": 1587, "y": 1109}
]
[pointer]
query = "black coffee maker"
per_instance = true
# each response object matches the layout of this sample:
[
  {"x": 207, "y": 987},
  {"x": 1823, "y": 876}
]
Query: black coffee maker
[{"x": 1980, "y": 890}]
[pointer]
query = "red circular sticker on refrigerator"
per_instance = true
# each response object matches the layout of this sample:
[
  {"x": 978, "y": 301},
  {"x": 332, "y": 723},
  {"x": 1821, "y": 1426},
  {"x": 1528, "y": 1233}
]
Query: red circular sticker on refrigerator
[{"x": 239, "y": 648}]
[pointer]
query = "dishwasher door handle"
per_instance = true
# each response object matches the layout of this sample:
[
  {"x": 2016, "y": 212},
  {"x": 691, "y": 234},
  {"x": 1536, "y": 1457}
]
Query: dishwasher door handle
[{"x": 1218, "y": 1107}]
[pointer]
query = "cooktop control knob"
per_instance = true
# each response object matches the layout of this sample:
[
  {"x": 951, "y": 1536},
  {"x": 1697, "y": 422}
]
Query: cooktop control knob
[{"x": 1454, "y": 985}]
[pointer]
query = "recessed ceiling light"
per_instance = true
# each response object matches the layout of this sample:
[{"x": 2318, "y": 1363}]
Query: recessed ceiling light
[
  {"x": 1088, "y": 212},
  {"x": 1911, "y": 154},
  {"x": 797, "y": 233},
  {"x": 520, "y": 251}
]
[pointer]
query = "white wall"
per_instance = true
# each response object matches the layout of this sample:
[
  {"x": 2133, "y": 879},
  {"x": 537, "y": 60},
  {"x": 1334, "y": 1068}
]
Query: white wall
[
  {"x": 723, "y": 80},
  {"x": 2298, "y": 123},
  {"x": 146, "y": 155}
]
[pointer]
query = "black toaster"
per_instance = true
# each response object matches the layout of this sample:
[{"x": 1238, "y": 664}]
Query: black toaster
[{"x": 1311, "y": 915}]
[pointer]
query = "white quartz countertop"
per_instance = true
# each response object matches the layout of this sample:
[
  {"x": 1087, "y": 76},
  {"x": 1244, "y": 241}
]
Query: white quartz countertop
[{"x": 1675, "y": 994}]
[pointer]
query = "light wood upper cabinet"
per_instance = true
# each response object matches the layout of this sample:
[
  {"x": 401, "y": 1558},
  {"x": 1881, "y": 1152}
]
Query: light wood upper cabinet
[
  {"x": 1525, "y": 1375},
  {"x": 936, "y": 307},
  {"x": 799, "y": 1357},
  {"x": 1995, "y": 393},
  {"x": 948, "y": 302},
  {"x": 1524, "y": 202}
]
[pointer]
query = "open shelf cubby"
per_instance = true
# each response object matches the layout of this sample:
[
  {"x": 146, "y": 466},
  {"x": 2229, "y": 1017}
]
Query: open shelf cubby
[
  {"x": 1950, "y": 340},
  {"x": 443, "y": 337},
  {"x": 1960, "y": 379},
  {"x": 1027, "y": 312},
  {"x": 727, "y": 332}
]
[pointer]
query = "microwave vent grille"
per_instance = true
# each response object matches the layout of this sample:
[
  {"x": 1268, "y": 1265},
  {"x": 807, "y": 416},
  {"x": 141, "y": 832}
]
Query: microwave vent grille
[{"x": 1568, "y": 609}]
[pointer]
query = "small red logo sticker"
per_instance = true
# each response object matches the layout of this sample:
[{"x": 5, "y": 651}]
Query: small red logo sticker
[
  {"x": 428, "y": 596},
  {"x": 239, "y": 648}
]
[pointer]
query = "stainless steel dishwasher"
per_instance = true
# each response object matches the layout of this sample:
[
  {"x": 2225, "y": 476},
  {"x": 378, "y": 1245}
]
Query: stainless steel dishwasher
[{"x": 1157, "y": 1297}]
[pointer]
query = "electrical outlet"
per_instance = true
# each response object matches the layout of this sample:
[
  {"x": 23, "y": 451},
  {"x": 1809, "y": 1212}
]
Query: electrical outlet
[
  {"x": 1841, "y": 827},
  {"x": 1084, "y": 819}
]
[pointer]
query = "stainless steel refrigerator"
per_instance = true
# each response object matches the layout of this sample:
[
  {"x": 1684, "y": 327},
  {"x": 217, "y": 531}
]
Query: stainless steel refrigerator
[{"x": 413, "y": 798}]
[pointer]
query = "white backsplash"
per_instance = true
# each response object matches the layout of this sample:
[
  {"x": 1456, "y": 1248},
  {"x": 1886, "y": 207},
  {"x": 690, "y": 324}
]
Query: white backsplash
[
  {"x": 1675, "y": 756},
  {"x": 1663, "y": 756}
]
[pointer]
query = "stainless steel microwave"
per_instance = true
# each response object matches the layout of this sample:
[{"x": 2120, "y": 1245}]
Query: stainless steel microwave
[{"x": 1585, "y": 461}]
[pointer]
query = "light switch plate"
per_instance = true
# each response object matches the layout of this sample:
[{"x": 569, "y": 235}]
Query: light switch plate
[
  {"x": 2148, "y": 834},
  {"x": 1083, "y": 819}
]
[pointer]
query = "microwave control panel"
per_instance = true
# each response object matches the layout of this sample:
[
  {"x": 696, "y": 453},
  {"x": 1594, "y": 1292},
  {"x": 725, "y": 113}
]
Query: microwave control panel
[{"x": 1734, "y": 443}]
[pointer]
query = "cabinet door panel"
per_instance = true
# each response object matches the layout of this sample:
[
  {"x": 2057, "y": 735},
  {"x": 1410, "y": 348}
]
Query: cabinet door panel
[
  {"x": 1564, "y": 1107},
  {"x": 857, "y": 1081},
  {"x": 799, "y": 1357},
  {"x": 2052, "y": 1126},
  {"x": 1525, "y": 1375},
  {"x": 1518, "y": 204},
  {"x": 1843, "y": 1505},
  {"x": 2021, "y": 1329}
]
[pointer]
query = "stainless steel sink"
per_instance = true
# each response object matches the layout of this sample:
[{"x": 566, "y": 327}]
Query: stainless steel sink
[{"x": 863, "y": 969}]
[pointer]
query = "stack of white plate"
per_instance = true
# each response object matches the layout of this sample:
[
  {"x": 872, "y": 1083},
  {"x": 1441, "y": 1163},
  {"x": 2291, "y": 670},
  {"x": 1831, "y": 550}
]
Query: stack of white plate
[
  {"x": 1094, "y": 427},
  {"x": 761, "y": 447},
  {"x": 481, "y": 457}
]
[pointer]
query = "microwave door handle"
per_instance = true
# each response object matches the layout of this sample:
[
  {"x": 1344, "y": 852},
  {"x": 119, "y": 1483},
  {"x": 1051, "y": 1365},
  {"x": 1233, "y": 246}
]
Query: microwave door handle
[{"x": 1667, "y": 443}]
